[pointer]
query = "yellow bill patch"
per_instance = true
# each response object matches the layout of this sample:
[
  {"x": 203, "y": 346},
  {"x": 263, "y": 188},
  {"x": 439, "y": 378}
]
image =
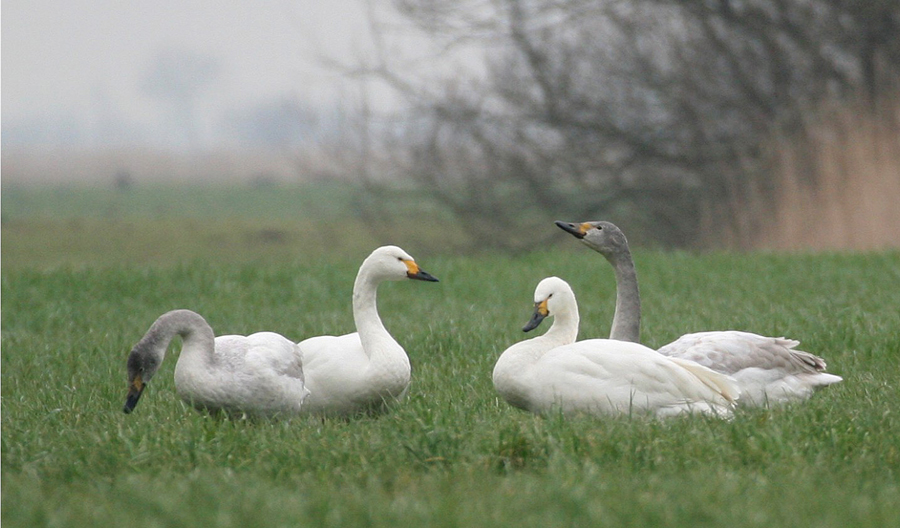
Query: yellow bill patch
[
  {"x": 584, "y": 228},
  {"x": 411, "y": 266},
  {"x": 542, "y": 308}
]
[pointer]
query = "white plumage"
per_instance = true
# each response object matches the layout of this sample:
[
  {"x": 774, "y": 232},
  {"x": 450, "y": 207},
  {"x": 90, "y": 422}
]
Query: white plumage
[
  {"x": 367, "y": 369},
  {"x": 601, "y": 376}
]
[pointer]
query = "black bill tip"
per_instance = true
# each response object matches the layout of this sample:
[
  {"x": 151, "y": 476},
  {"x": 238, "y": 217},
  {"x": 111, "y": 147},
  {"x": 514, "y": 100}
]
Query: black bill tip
[
  {"x": 534, "y": 322},
  {"x": 422, "y": 275},
  {"x": 570, "y": 228},
  {"x": 132, "y": 400}
]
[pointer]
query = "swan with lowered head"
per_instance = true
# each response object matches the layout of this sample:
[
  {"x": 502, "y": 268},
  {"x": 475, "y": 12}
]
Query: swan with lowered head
[
  {"x": 259, "y": 374},
  {"x": 768, "y": 369},
  {"x": 601, "y": 376},
  {"x": 367, "y": 369}
]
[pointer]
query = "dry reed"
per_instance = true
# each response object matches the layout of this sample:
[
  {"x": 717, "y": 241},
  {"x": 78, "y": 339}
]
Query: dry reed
[{"x": 836, "y": 185}]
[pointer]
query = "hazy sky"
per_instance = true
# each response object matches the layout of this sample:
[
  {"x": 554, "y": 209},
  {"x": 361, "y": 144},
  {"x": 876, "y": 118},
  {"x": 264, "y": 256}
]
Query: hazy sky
[{"x": 76, "y": 70}]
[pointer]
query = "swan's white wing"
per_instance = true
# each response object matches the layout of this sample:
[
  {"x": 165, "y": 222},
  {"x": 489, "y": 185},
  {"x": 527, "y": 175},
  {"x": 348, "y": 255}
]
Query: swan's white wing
[
  {"x": 617, "y": 377},
  {"x": 768, "y": 368},
  {"x": 332, "y": 355},
  {"x": 336, "y": 368}
]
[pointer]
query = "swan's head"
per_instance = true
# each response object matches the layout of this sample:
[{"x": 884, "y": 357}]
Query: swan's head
[
  {"x": 392, "y": 263},
  {"x": 143, "y": 362},
  {"x": 553, "y": 296},
  {"x": 603, "y": 237}
]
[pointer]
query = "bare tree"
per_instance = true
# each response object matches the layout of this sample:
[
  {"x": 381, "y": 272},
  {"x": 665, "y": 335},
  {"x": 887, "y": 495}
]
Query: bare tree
[{"x": 648, "y": 110}]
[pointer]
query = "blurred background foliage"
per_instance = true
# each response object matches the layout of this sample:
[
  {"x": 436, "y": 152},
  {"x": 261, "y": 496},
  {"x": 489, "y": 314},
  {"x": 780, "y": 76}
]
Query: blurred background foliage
[
  {"x": 740, "y": 124},
  {"x": 743, "y": 124}
]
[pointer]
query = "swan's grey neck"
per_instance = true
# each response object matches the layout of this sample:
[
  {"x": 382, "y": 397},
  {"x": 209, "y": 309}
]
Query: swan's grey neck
[
  {"x": 365, "y": 311},
  {"x": 194, "y": 330},
  {"x": 627, "y": 320}
]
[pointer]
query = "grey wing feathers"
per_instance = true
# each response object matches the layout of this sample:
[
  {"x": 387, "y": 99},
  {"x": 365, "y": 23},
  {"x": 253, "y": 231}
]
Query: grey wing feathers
[{"x": 732, "y": 351}]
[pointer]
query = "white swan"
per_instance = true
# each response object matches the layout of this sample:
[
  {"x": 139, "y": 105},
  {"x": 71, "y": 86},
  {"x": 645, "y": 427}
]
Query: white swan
[
  {"x": 366, "y": 369},
  {"x": 601, "y": 376},
  {"x": 768, "y": 370},
  {"x": 259, "y": 374}
]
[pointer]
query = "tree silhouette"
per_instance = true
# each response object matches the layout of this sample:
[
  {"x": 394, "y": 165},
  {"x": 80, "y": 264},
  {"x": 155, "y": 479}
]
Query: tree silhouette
[{"x": 655, "y": 111}]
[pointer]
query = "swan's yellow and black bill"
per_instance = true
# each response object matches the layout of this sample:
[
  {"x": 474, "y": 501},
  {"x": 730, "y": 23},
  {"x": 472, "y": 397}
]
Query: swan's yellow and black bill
[
  {"x": 414, "y": 272},
  {"x": 134, "y": 394},
  {"x": 576, "y": 230},
  {"x": 540, "y": 312}
]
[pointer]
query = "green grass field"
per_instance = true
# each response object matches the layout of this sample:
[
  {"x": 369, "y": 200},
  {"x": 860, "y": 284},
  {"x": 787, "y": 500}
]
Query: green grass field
[{"x": 452, "y": 454}]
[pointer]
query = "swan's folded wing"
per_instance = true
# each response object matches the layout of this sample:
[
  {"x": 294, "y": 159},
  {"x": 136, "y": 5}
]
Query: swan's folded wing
[
  {"x": 679, "y": 384},
  {"x": 623, "y": 376},
  {"x": 272, "y": 377},
  {"x": 733, "y": 351},
  {"x": 319, "y": 351},
  {"x": 722, "y": 384},
  {"x": 333, "y": 364},
  {"x": 579, "y": 373},
  {"x": 277, "y": 353}
]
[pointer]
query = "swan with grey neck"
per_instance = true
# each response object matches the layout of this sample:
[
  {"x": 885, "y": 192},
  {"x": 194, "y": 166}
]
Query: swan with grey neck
[
  {"x": 601, "y": 376},
  {"x": 367, "y": 369},
  {"x": 260, "y": 374},
  {"x": 768, "y": 369}
]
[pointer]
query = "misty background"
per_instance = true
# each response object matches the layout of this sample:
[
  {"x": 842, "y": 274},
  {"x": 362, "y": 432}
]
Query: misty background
[
  {"x": 175, "y": 81},
  {"x": 176, "y": 75},
  {"x": 741, "y": 124}
]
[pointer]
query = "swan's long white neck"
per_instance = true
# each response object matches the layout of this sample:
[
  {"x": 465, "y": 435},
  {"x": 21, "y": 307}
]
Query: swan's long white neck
[
  {"x": 564, "y": 329},
  {"x": 514, "y": 378},
  {"x": 626, "y": 324},
  {"x": 199, "y": 340},
  {"x": 372, "y": 333}
]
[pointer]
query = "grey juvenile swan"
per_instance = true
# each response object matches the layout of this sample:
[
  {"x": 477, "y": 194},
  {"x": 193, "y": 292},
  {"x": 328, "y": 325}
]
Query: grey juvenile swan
[
  {"x": 260, "y": 374},
  {"x": 768, "y": 369}
]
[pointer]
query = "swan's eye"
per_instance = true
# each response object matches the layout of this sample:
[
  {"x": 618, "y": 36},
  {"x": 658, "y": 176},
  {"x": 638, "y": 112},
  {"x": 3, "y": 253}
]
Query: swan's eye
[{"x": 400, "y": 259}]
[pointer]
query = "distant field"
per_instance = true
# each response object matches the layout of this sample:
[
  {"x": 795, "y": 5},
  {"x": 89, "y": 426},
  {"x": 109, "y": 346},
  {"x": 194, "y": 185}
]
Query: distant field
[
  {"x": 77, "y": 226},
  {"x": 267, "y": 202},
  {"x": 84, "y": 274}
]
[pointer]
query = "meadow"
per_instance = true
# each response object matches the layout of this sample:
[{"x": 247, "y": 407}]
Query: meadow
[{"x": 452, "y": 454}]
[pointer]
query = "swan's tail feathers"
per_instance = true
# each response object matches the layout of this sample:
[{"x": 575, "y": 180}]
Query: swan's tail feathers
[
  {"x": 725, "y": 385},
  {"x": 823, "y": 379},
  {"x": 810, "y": 361}
]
